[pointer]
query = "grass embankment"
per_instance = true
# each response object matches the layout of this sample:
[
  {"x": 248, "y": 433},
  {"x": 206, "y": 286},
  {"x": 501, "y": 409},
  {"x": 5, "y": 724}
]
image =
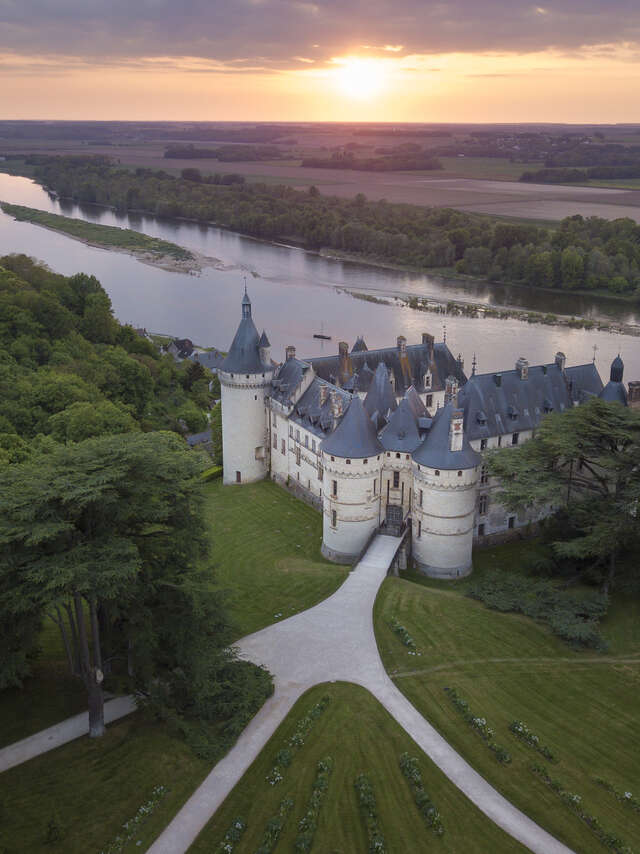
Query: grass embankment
[
  {"x": 104, "y": 236},
  {"x": 582, "y": 705},
  {"x": 266, "y": 552},
  {"x": 360, "y": 736}
]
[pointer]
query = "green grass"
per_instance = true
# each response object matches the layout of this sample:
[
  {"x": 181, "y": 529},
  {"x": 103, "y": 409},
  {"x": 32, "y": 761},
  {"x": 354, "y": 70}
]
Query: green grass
[
  {"x": 357, "y": 732},
  {"x": 107, "y": 236},
  {"x": 95, "y": 786},
  {"x": 266, "y": 552},
  {"x": 582, "y": 705},
  {"x": 485, "y": 168}
]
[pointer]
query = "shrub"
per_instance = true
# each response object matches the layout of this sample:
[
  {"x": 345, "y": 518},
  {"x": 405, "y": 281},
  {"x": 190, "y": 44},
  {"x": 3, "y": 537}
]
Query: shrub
[
  {"x": 369, "y": 809},
  {"x": 232, "y": 836},
  {"x": 212, "y": 473},
  {"x": 275, "y": 826},
  {"x": 411, "y": 770},
  {"x": 295, "y": 742},
  {"x": 625, "y": 797},
  {"x": 521, "y": 730},
  {"x": 480, "y": 726},
  {"x": 309, "y": 822}
]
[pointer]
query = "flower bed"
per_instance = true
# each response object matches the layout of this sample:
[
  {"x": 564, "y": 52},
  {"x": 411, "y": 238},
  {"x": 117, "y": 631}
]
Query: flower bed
[
  {"x": 309, "y": 821},
  {"x": 303, "y": 727},
  {"x": 574, "y": 802},
  {"x": 232, "y": 836},
  {"x": 369, "y": 809},
  {"x": 411, "y": 770},
  {"x": 130, "y": 827},
  {"x": 522, "y": 731},
  {"x": 626, "y": 798},
  {"x": 275, "y": 826},
  {"x": 404, "y": 636},
  {"x": 480, "y": 725}
]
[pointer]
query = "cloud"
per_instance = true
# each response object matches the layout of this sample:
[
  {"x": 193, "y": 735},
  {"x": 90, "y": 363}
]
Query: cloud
[{"x": 268, "y": 33}]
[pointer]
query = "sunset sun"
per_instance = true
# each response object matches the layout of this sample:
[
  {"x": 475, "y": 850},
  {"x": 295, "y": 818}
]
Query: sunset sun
[{"x": 360, "y": 79}]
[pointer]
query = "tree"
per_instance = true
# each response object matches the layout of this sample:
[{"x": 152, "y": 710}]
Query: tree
[
  {"x": 92, "y": 534},
  {"x": 584, "y": 461}
]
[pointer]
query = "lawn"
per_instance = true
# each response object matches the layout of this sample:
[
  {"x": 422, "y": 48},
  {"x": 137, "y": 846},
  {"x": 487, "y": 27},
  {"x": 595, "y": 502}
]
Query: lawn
[
  {"x": 583, "y": 705},
  {"x": 92, "y": 787},
  {"x": 360, "y": 736},
  {"x": 266, "y": 553}
]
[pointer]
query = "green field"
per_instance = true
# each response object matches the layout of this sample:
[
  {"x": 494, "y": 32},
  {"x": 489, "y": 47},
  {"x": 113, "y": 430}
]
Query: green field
[
  {"x": 107, "y": 236},
  {"x": 360, "y": 736},
  {"x": 266, "y": 552},
  {"x": 581, "y": 704},
  {"x": 485, "y": 168}
]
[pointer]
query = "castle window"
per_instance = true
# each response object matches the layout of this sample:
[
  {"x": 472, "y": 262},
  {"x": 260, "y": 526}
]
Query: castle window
[
  {"x": 313, "y": 445},
  {"x": 238, "y": 477},
  {"x": 397, "y": 456},
  {"x": 420, "y": 499},
  {"x": 275, "y": 442},
  {"x": 334, "y": 488},
  {"x": 419, "y": 529},
  {"x": 407, "y": 457},
  {"x": 298, "y": 455},
  {"x": 483, "y": 444},
  {"x": 364, "y": 462},
  {"x": 396, "y": 479},
  {"x": 512, "y": 521},
  {"x": 481, "y": 530},
  {"x": 429, "y": 401},
  {"x": 334, "y": 518},
  {"x": 514, "y": 438},
  {"x": 348, "y": 462},
  {"x": 275, "y": 420},
  {"x": 255, "y": 396},
  {"x": 291, "y": 431},
  {"x": 484, "y": 475},
  {"x": 306, "y": 441},
  {"x": 388, "y": 454},
  {"x": 333, "y": 459},
  {"x": 283, "y": 446},
  {"x": 320, "y": 472},
  {"x": 499, "y": 441},
  {"x": 459, "y": 474},
  {"x": 375, "y": 486},
  {"x": 297, "y": 435},
  {"x": 483, "y": 504},
  {"x": 247, "y": 376},
  {"x": 437, "y": 472}
]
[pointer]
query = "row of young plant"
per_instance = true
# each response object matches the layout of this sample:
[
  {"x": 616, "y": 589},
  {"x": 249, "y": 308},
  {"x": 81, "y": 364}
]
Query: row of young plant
[
  {"x": 403, "y": 634},
  {"x": 275, "y": 826},
  {"x": 574, "y": 803},
  {"x": 233, "y": 835},
  {"x": 295, "y": 742},
  {"x": 625, "y": 797},
  {"x": 521, "y": 731},
  {"x": 480, "y": 726},
  {"x": 369, "y": 810},
  {"x": 308, "y": 824},
  {"x": 411, "y": 770},
  {"x": 130, "y": 827}
]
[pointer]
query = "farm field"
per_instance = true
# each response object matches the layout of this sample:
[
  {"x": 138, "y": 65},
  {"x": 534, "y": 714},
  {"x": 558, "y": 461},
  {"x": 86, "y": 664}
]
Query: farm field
[
  {"x": 580, "y": 704},
  {"x": 361, "y": 737}
]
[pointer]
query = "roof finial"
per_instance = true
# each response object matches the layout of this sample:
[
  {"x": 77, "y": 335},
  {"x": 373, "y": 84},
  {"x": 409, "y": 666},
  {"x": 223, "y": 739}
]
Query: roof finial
[
  {"x": 444, "y": 333},
  {"x": 474, "y": 365},
  {"x": 595, "y": 350}
]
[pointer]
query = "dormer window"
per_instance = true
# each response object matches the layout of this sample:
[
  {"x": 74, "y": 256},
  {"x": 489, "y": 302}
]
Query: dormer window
[{"x": 481, "y": 418}]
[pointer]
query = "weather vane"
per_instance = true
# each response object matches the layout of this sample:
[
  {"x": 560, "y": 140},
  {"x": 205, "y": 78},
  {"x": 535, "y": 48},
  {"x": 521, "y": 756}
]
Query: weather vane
[
  {"x": 444, "y": 333},
  {"x": 595, "y": 350}
]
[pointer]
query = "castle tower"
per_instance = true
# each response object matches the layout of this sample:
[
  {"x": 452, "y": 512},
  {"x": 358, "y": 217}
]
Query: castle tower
[
  {"x": 245, "y": 376},
  {"x": 614, "y": 391},
  {"x": 352, "y": 461},
  {"x": 445, "y": 475}
]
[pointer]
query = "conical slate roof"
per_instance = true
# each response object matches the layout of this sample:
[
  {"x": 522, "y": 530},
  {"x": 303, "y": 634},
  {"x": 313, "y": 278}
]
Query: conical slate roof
[
  {"x": 380, "y": 398},
  {"x": 355, "y": 436},
  {"x": 434, "y": 451},
  {"x": 401, "y": 433},
  {"x": 244, "y": 354},
  {"x": 264, "y": 341},
  {"x": 415, "y": 402},
  {"x": 617, "y": 370},
  {"x": 614, "y": 392}
]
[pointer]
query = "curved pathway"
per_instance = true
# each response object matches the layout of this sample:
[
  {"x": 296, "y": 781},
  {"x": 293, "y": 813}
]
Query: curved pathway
[{"x": 335, "y": 641}]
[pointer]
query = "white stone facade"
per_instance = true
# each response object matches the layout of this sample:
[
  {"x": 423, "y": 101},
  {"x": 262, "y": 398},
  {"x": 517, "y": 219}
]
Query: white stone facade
[{"x": 244, "y": 426}]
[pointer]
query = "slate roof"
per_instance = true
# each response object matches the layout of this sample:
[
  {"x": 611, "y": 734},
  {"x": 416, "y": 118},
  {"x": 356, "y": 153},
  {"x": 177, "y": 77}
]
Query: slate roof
[
  {"x": 380, "y": 400},
  {"x": 434, "y": 451},
  {"x": 401, "y": 433},
  {"x": 355, "y": 436},
  {"x": 199, "y": 438},
  {"x": 516, "y": 404},
  {"x": 264, "y": 341},
  {"x": 614, "y": 392},
  {"x": 287, "y": 378},
  {"x": 407, "y": 370},
  {"x": 360, "y": 345},
  {"x": 314, "y": 416},
  {"x": 211, "y": 359}
]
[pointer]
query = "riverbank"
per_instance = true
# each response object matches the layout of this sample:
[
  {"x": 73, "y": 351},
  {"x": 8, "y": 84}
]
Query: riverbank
[{"x": 148, "y": 250}]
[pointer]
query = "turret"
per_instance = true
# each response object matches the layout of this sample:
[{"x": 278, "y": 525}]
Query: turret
[
  {"x": 245, "y": 376},
  {"x": 614, "y": 391},
  {"x": 351, "y": 459}
]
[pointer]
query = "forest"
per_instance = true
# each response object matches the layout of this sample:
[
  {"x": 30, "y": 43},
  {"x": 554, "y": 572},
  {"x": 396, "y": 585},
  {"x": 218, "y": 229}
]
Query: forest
[{"x": 579, "y": 254}]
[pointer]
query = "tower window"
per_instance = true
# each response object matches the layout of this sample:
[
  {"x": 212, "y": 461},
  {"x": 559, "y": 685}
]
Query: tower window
[
  {"x": 364, "y": 462},
  {"x": 429, "y": 401},
  {"x": 396, "y": 479},
  {"x": 437, "y": 472},
  {"x": 238, "y": 477},
  {"x": 334, "y": 488},
  {"x": 334, "y": 518},
  {"x": 348, "y": 462},
  {"x": 512, "y": 521},
  {"x": 320, "y": 472},
  {"x": 275, "y": 442},
  {"x": 397, "y": 456},
  {"x": 297, "y": 435},
  {"x": 283, "y": 446},
  {"x": 375, "y": 486},
  {"x": 459, "y": 474},
  {"x": 419, "y": 529},
  {"x": 420, "y": 499},
  {"x": 499, "y": 441},
  {"x": 483, "y": 444},
  {"x": 247, "y": 376},
  {"x": 298, "y": 455},
  {"x": 481, "y": 529},
  {"x": 515, "y": 438},
  {"x": 483, "y": 504},
  {"x": 291, "y": 431},
  {"x": 313, "y": 445},
  {"x": 484, "y": 475}
]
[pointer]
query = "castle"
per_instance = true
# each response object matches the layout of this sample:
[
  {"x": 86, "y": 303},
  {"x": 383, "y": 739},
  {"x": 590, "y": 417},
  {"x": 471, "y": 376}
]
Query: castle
[{"x": 378, "y": 438}]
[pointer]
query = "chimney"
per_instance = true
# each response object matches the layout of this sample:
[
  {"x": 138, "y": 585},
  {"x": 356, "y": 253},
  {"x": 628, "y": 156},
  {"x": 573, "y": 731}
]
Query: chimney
[
  {"x": 561, "y": 360},
  {"x": 497, "y": 378},
  {"x": 522, "y": 367},
  {"x": 456, "y": 430},
  {"x": 451, "y": 391},
  {"x": 290, "y": 352},
  {"x": 324, "y": 392},
  {"x": 633, "y": 397},
  {"x": 402, "y": 345},
  {"x": 343, "y": 348},
  {"x": 336, "y": 407},
  {"x": 428, "y": 342}
]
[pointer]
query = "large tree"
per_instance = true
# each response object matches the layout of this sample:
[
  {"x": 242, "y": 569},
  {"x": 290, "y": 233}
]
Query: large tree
[
  {"x": 584, "y": 461},
  {"x": 105, "y": 537}
]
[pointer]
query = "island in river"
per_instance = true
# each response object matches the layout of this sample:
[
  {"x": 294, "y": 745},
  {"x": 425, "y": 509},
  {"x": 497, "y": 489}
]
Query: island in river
[{"x": 149, "y": 250}]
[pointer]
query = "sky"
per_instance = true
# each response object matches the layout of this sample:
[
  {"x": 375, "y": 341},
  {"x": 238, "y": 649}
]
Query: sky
[{"x": 329, "y": 60}]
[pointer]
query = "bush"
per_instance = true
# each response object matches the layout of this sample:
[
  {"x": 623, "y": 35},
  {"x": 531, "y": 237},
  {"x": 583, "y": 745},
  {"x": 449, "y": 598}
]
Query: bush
[
  {"x": 369, "y": 809},
  {"x": 308, "y": 824},
  {"x": 480, "y": 725},
  {"x": 411, "y": 770}
]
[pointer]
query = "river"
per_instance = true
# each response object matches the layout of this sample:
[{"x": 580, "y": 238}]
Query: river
[{"x": 296, "y": 293}]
